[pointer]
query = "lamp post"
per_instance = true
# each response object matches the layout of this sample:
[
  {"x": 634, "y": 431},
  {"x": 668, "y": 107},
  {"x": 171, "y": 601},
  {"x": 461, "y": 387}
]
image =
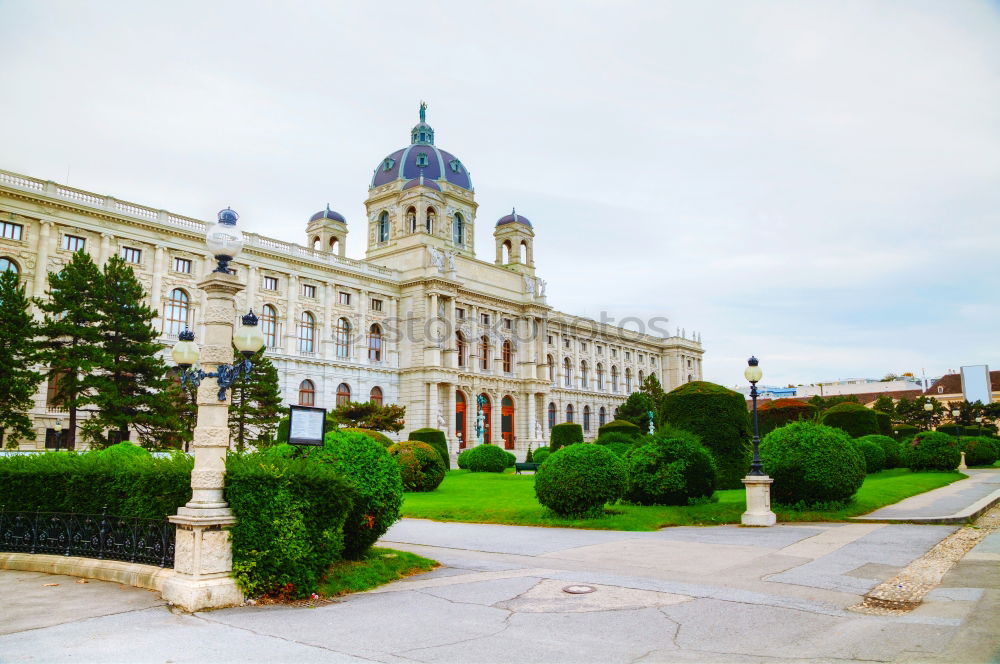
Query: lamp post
[
  {"x": 758, "y": 485},
  {"x": 954, "y": 415},
  {"x": 928, "y": 408},
  {"x": 203, "y": 562},
  {"x": 979, "y": 423},
  {"x": 57, "y": 427}
]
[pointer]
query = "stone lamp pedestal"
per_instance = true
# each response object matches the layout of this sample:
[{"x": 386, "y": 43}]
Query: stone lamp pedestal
[
  {"x": 758, "y": 488},
  {"x": 203, "y": 559},
  {"x": 961, "y": 464}
]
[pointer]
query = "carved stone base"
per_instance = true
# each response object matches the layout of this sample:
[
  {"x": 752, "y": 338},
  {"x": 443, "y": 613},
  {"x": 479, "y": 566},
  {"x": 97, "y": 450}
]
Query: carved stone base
[
  {"x": 203, "y": 561},
  {"x": 206, "y": 592},
  {"x": 758, "y": 501}
]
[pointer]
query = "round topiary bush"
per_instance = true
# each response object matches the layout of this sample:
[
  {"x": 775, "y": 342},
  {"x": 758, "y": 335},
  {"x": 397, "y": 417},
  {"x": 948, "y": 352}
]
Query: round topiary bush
[
  {"x": 567, "y": 433},
  {"x": 779, "y": 412},
  {"x": 853, "y": 418},
  {"x": 377, "y": 436},
  {"x": 578, "y": 480},
  {"x": 616, "y": 437},
  {"x": 124, "y": 450},
  {"x": 511, "y": 459},
  {"x": 719, "y": 418},
  {"x": 873, "y": 453},
  {"x": 811, "y": 463},
  {"x": 890, "y": 448},
  {"x": 486, "y": 458},
  {"x": 932, "y": 450},
  {"x": 670, "y": 469},
  {"x": 435, "y": 438},
  {"x": 420, "y": 466},
  {"x": 620, "y": 426},
  {"x": 980, "y": 451},
  {"x": 463, "y": 459},
  {"x": 541, "y": 454}
]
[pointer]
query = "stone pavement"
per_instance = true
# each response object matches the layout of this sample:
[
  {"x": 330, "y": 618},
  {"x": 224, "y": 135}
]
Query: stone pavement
[
  {"x": 719, "y": 594},
  {"x": 955, "y": 503}
]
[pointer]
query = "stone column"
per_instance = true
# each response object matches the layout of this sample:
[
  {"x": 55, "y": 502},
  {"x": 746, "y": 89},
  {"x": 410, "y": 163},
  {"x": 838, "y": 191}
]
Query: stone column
[
  {"x": 292, "y": 296},
  {"x": 105, "y": 249},
  {"x": 758, "y": 488},
  {"x": 203, "y": 561},
  {"x": 449, "y": 418},
  {"x": 42, "y": 258},
  {"x": 157, "y": 283}
]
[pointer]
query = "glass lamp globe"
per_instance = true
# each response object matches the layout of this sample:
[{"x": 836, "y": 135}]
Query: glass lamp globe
[
  {"x": 248, "y": 339},
  {"x": 928, "y": 407},
  {"x": 979, "y": 419},
  {"x": 753, "y": 372},
  {"x": 224, "y": 238},
  {"x": 956, "y": 413},
  {"x": 185, "y": 352},
  {"x": 57, "y": 427}
]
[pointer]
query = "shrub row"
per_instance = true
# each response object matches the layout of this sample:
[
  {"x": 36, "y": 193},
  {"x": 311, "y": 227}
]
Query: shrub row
[
  {"x": 567, "y": 433},
  {"x": 435, "y": 438}
]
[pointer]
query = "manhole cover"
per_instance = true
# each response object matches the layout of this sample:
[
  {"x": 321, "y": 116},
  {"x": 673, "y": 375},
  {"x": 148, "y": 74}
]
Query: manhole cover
[{"x": 579, "y": 590}]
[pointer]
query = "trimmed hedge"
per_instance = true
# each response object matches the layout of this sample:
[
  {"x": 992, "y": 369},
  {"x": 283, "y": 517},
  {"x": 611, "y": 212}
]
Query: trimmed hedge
[
  {"x": 541, "y": 454},
  {"x": 463, "y": 458},
  {"x": 670, "y": 469},
  {"x": 779, "y": 412},
  {"x": 884, "y": 423},
  {"x": 617, "y": 438},
  {"x": 718, "y": 416},
  {"x": 903, "y": 432},
  {"x": 853, "y": 418},
  {"x": 567, "y": 433},
  {"x": 932, "y": 450},
  {"x": 420, "y": 466},
  {"x": 980, "y": 451},
  {"x": 290, "y": 517},
  {"x": 812, "y": 464},
  {"x": 486, "y": 458},
  {"x": 377, "y": 436},
  {"x": 511, "y": 459},
  {"x": 873, "y": 453},
  {"x": 124, "y": 449},
  {"x": 435, "y": 438},
  {"x": 971, "y": 430},
  {"x": 578, "y": 480},
  {"x": 619, "y": 426},
  {"x": 891, "y": 448}
]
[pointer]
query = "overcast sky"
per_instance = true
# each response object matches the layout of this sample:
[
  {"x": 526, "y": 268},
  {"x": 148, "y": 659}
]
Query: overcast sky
[{"x": 814, "y": 183}]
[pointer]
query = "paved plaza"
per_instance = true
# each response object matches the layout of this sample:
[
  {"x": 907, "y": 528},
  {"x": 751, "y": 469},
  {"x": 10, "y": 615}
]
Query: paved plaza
[{"x": 715, "y": 594}]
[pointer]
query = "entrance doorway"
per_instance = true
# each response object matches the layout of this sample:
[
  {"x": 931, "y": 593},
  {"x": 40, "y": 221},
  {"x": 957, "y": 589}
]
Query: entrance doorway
[
  {"x": 460, "y": 419},
  {"x": 487, "y": 418},
  {"x": 507, "y": 422}
]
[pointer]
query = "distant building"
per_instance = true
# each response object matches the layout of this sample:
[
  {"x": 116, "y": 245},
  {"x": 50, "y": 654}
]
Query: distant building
[
  {"x": 948, "y": 388},
  {"x": 859, "y": 386}
]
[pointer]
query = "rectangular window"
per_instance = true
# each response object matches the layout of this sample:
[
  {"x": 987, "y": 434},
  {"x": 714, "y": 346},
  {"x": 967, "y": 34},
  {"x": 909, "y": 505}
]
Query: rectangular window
[
  {"x": 507, "y": 324},
  {"x": 600, "y": 350},
  {"x": 130, "y": 255},
  {"x": 345, "y": 298},
  {"x": 459, "y": 313},
  {"x": 11, "y": 231},
  {"x": 566, "y": 343},
  {"x": 73, "y": 242},
  {"x": 270, "y": 283},
  {"x": 182, "y": 265},
  {"x": 628, "y": 355},
  {"x": 583, "y": 346},
  {"x": 550, "y": 339},
  {"x": 308, "y": 290},
  {"x": 614, "y": 352},
  {"x": 484, "y": 319},
  {"x": 376, "y": 305}
]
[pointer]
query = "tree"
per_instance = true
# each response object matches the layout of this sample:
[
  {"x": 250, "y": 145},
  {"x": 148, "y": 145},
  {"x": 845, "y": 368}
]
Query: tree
[
  {"x": 70, "y": 336},
  {"x": 636, "y": 410},
  {"x": 371, "y": 415},
  {"x": 255, "y": 405},
  {"x": 912, "y": 412},
  {"x": 885, "y": 404},
  {"x": 184, "y": 400},
  {"x": 651, "y": 386},
  {"x": 18, "y": 353},
  {"x": 128, "y": 384}
]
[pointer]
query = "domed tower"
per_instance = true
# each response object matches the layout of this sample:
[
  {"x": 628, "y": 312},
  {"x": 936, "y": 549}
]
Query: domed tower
[
  {"x": 420, "y": 195},
  {"x": 327, "y": 231},
  {"x": 515, "y": 243}
]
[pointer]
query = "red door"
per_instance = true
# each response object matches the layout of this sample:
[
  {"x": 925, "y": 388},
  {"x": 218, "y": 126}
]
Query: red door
[
  {"x": 487, "y": 419},
  {"x": 507, "y": 422},
  {"x": 460, "y": 419}
]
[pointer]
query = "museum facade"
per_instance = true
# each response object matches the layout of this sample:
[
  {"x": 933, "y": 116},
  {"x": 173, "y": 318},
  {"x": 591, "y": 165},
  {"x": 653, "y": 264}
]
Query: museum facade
[{"x": 421, "y": 321}]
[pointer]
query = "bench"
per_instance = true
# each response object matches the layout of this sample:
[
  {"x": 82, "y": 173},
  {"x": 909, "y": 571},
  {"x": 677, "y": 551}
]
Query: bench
[{"x": 524, "y": 465}]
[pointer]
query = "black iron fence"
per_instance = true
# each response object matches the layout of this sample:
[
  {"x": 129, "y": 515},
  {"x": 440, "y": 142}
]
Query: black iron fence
[{"x": 102, "y": 536}]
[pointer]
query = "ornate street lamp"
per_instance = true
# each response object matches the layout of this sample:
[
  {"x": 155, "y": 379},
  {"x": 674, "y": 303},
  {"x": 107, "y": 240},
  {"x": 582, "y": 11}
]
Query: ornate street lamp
[
  {"x": 928, "y": 408},
  {"x": 979, "y": 423},
  {"x": 954, "y": 415},
  {"x": 224, "y": 240},
  {"x": 57, "y": 427},
  {"x": 753, "y": 374},
  {"x": 248, "y": 339}
]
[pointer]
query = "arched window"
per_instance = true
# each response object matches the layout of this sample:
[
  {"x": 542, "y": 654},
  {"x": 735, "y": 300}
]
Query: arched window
[
  {"x": 505, "y": 252},
  {"x": 614, "y": 379},
  {"x": 484, "y": 353},
  {"x": 429, "y": 223},
  {"x": 343, "y": 394},
  {"x": 586, "y": 418},
  {"x": 375, "y": 343},
  {"x": 507, "y": 355},
  {"x": 317, "y": 245},
  {"x": 269, "y": 326},
  {"x": 641, "y": 379},
  {"x": 178, "y": 311},
  {"x": 569, "y": 412},
  {"x": 552, "y": 370},
  {"x": 460, "y": 347},
  {"x": 602, "y": 416},
  {"x": 411, "y": 219},
  {"x": 584, "y": 384},
  {"x": 342, "y": 338},
  {"x": 376, "y": 395},
  {"x": 307, "y": 393},
  {"x": 552, "y": 415},
  {"x": 567, "y": 373},
  {"x": 307, "y": 333},
  {"x": 524, "y": 252},
  {"x": 334, "y": 245},
  {"x": 458, "y": 229},
  {"x": 383, "y": 227},
  {"x": 7, "y": 265},
  {"x": 628, "y": 381},
  {"x": 600, "y": 376}
]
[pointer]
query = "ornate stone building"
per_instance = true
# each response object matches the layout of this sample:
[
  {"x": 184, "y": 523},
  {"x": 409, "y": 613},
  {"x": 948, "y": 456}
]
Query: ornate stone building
[{"x": 421, "y": 321}]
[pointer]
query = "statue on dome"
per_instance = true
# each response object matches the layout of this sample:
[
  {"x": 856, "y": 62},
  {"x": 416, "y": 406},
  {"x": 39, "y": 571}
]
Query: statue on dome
[{"x": 423, "y": 111}]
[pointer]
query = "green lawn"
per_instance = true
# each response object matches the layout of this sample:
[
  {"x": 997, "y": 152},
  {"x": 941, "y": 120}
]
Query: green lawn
[
  {"x": 510, "y": 499},
  {"x": 379, "y": 566}
]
